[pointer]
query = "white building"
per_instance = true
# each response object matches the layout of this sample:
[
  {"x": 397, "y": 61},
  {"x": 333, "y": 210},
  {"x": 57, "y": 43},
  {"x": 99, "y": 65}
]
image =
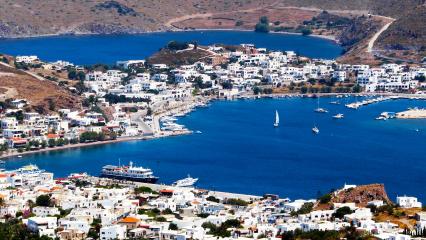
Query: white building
[
  {"x": 408, "y": 202},
  {"x": 113, "y": 232}
]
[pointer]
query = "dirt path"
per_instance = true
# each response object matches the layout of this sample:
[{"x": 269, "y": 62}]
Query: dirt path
[
  {"x": 171, "y": 23},
  {"x": 376, "y": 36}
]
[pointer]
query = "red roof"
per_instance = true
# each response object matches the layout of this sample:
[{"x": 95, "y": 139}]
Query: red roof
[{"x": 166, "y": 191}]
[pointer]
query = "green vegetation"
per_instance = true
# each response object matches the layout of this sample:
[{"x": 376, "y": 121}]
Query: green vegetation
[
  {"x": 44, "y": 201},
  {"x": 221, "y": 231},
  {"x": 263, "y": 25},
  {"x": 176, "y": 45},
  {"x": 325, "y": 198},
  {"x": 342, "y": 212},
  {"x": 203, "y": 215},
  {"x": 91, "y": 137},
  {"x": 306, "y": 208},
  {"x": 150, "y": 212},
  {"x": 173, "y": 226},
  {"x": 74, "y": 75},
  {"x": 143, "y": 189},
  {"x": 347, "y": 233},
  {"x": 236, "y": 202},
  {"x": 212, "y": 199},
  {"x": 15, "y": 230}
]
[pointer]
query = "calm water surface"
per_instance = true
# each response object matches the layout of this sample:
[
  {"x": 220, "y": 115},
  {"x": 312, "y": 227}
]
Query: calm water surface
[
  {"x": 110, "y": 48},
  {"x": 240, "y": 151}
]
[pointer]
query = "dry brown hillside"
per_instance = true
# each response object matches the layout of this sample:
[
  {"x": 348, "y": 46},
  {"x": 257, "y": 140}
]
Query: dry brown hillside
[{"x": 44, "y": 96}]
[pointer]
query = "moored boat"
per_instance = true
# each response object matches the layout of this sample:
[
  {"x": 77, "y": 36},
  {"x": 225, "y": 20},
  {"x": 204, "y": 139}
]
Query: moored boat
[
  {"x": 131, "y": 173},
  {"x": 186, "y": 182},
  {"x": 338, "y": 116}
]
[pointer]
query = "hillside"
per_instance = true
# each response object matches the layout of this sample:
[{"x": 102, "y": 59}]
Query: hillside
[
  {"x": 43, "y": 95},
  {"x": 23, "y": 18},
  {"x": 407, "y": 32}
]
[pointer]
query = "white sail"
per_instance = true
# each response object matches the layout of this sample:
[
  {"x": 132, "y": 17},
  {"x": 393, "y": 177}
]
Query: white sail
[{"x": 277, "y": 119}]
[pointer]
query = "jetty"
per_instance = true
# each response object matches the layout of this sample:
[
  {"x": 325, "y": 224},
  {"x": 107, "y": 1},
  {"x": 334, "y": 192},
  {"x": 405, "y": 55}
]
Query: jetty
[{"x": 366, "y": 102}]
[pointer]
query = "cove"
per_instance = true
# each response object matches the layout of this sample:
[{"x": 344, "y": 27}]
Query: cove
[{"x": 107, "y": 49}]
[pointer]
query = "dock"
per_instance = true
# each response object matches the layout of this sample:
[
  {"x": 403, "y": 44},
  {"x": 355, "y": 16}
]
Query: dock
[
  {"x": 359, "y": 104},
  {"x": 158, "y": 187}
]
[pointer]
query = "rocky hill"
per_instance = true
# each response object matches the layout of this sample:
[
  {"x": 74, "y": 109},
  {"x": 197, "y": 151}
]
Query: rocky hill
[
  {"x": 363, "y": 194},
  {"x": 407, "y": 32},
  {"x": 43, "y": 95}
]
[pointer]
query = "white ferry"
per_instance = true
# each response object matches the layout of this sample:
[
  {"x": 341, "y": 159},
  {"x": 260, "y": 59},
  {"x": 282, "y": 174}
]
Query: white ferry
[
  {"x": 29, "y": 169},
  {"x": 186, "y": 182},
  {"x": 132, "y": 173}
]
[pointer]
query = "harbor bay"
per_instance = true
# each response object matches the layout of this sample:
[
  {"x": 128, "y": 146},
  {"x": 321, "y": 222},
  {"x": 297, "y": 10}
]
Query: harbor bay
[{"x": 237, "y": 149}]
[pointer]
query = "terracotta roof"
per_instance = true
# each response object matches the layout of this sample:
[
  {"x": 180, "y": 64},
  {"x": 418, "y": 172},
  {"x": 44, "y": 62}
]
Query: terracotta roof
[
  {"x": 52, "y": 135},
  {"x": 166, "y": 191},
  {"x": 129, "y": 220}
]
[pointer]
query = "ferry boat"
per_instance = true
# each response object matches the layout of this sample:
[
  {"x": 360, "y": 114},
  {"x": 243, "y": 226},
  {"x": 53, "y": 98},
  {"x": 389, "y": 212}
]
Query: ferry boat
[
  {"x": 338, "y": 116},
  {"x": 131, "y": 173},
  {"x": 29, "y": 169},
  {"x": 186, "y": 182}
]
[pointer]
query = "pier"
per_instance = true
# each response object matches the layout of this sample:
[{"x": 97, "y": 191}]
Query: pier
[{"x": 159, "y": 187}]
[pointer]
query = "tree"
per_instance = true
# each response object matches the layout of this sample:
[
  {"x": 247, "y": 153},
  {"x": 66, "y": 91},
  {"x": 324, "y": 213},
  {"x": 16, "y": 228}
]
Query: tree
[
  {"x": 306, "y": 31},
  {"x": 306, "y": 208},
  {"x": 43, "y": 201},
  {"x": 263, "y": 25},
  {"x": 51, "y": 142},
  {"x": 342, "y": 212},
  {"x": 173, "y": 226},
  {"x": 325, "y": 198},
  {"x": 80, "y": 87}
]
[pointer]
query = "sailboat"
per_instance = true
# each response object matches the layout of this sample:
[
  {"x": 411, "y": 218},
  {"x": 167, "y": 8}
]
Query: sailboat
[
  {"x": 318, "y": 109},
  {"x": 277, "y": 119},
  {"x": 315, "y": 130}
]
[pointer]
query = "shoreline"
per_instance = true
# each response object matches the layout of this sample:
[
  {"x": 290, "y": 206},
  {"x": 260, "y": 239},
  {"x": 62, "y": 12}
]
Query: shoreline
[
  {"x": 163, "y": 134},
  {"x": 82, "y": 34},
  {"x": 14, "y": 154}
]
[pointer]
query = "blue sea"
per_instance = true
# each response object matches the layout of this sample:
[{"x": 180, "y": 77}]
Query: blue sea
[
  {"x": 108, "y": 49},
  {"x": 239, "y": 150}
]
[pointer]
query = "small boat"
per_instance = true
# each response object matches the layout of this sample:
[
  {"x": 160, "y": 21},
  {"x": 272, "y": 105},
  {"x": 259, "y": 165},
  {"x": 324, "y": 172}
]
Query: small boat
[
  {"x": 315, "y": 130},
  {"x": 335, "y": 102},
  {"x": 321, "y": 110},
  {"x": 338, "y": 116},
  {"x": 381, "y": 118},
  {"x": 277, "y": 119},
  {"x": 186, "y": 182},
  {"x": 417, "y": 130},
  {"x": 19, "y": 156},
  {"x": 198, "y": 132}
]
